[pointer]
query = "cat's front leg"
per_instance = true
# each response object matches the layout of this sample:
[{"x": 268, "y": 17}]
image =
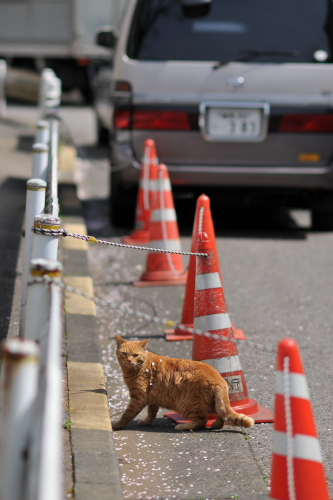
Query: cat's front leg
[
  {"x": 133, "y": 409},
  {"x": 152, "y": 412}
]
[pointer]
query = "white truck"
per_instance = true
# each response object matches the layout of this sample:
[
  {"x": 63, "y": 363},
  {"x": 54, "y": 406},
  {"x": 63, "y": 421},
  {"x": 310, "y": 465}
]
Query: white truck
[{"x": 58, "y": 34}]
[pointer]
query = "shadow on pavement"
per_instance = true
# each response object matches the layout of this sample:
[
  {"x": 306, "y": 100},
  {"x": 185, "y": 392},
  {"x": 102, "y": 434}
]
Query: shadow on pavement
[
  {"x": 228, "y": 221},
  {"x": 12, "y": 208}
]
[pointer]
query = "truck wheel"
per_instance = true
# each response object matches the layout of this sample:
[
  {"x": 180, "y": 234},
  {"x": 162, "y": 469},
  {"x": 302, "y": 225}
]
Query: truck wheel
[
  {"x": 322, "y": 220},
  {"x": 102, "y": 135},
  {"x": 122, "y": 203}
]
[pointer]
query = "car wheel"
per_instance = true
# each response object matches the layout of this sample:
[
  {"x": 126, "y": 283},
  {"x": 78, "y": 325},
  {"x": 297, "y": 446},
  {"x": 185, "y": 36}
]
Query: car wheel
[
  {"x": 322, "y": 220},
  {"x": 122, "y": 203}
]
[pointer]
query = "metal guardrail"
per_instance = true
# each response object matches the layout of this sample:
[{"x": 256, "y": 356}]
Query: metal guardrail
[{"x": 30, "y": 426}]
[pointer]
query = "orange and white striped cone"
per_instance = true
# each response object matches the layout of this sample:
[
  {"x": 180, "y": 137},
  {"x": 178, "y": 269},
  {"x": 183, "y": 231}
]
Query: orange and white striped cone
[
  {"x": 203, "y": 222},
  {"x": 145, "y": 196},
  {"x": 297, "y": 468},
  {"x": 163, "y": 268},
  {"x": 211, "y": 315}
]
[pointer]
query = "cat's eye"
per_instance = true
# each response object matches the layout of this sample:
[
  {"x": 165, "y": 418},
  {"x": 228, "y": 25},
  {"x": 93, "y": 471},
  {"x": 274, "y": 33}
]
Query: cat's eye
[
  {"x": 135, "y": 355},
  {"x": 123, "y": 353}
]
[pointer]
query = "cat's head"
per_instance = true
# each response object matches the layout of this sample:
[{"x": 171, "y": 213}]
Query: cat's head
[{"x": 131, "y": 353}]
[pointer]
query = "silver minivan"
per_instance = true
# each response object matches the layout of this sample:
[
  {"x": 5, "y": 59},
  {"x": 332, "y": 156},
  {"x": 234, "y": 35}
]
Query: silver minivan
[{"x": 236, "y": 94}]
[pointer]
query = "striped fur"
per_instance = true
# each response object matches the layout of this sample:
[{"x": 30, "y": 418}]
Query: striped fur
[{"x": 191, "y": 388}]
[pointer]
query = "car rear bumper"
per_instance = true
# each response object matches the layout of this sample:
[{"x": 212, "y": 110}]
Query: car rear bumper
[{"x": 309, "y": 177}]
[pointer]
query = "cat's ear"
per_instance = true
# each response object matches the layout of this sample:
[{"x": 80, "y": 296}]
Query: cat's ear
[
  {"x": 144, "y": 343},
  {"x": 119, "y": 340}
]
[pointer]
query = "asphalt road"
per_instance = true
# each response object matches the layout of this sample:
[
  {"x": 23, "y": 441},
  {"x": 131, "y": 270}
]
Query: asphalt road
[{"x": 278, "y": 282}]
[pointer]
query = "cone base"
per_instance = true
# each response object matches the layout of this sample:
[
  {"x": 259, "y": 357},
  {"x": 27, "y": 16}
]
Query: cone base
[
  {"x": 251, "y": 408},
  {"x": 160, "y": 278},
  {"x": 172, "y": 335},
  {"x": 238, "y": 333},
  {"x": 258, "y": 412},
  {"x": 180, "y": 334},
  {"x": 136, "y": 237}
]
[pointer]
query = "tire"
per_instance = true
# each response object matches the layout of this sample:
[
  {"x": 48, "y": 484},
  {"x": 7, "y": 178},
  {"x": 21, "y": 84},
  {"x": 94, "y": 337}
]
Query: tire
[
  {"x": 102, "y": 135},
  {"x": 322, "y": 220},
  {"x": 122, "y": 203}
]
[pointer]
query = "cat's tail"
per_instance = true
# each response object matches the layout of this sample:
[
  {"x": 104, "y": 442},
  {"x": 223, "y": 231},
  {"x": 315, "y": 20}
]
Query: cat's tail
[{"x": 227, "y": 414}]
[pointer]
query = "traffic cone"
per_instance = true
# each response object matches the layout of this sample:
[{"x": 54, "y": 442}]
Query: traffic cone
[
  {"x": 203, "y": 222},
  {"x": 211, "y": 315},
  {"x": 301, "y": 474},
  {"x": 163, "y": 268},
  {"x": 146, "y": 195}
]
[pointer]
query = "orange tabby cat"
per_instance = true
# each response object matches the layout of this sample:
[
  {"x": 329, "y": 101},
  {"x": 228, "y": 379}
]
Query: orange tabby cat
[{"x": 191, "y": 388}]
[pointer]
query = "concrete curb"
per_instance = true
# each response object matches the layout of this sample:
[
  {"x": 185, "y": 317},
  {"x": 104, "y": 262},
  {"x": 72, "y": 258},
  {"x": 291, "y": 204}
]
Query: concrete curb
[{"x": 96, "y": 468}]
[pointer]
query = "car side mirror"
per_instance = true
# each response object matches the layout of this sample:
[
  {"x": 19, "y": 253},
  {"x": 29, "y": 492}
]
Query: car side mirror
[
  {"x": 106, "y": 37},
  {"x": 196, "y": 8}
]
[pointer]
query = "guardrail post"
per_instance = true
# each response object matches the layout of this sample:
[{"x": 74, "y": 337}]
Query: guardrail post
[
  {"x": 35, "y": 201},
  {"x": 21, "y": 365},
  {"x": 3, "y": 76},
  {"x": 50, "y": 91},
  {"x": 52, "y": 172},
  {"x": 43, "y": 246},
  {"x": 50, "y": 483},
  {"x": 42, "y": 132},
  {"x": 44, "y": 324},
  {"x": 40, "y": 158}
]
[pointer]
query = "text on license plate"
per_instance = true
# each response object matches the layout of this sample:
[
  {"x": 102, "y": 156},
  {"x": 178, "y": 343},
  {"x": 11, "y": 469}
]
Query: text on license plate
[{"x": 234, "y": 123}]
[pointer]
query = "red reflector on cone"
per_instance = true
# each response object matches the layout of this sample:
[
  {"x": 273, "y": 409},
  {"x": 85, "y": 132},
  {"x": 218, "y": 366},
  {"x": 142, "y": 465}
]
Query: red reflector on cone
[
  {"x": 145, "y": 196},
  {"x": 297, "y": 468},
  {"x": 163, "y": 268}
]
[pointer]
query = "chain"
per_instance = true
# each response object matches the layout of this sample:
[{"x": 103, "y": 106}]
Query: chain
[
  {"x": 147, "y": 317},
  {"x": 92, "y": 239},
  {"x": 289, "y": 426}
]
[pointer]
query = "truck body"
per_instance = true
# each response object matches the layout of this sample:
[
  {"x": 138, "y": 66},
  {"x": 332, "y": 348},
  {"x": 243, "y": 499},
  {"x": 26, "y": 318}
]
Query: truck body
[{"x": 59, "y": 34}]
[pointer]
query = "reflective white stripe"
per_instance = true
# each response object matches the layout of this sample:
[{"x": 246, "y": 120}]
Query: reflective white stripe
[
  {"x": 207, "y": 281},
  {"x": 226, "y": 364},
  {"x": 166, "y": 245},
  {"x": 305, "y": 447},
  {"x": 144, "y": 184},
  {"x": 212, "y": 322},
  {"x": 297, "y": 382},
  {"x": 160, "y": 185},
  {"x": 165, "y": 214}
]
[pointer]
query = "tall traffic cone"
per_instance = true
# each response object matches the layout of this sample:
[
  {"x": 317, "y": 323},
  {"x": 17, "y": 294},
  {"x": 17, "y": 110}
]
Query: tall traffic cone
[
  {"x": 203, "y": 222},
  {"x": 145, "y": 197},
  {"x": 211, "y": 315},
  {"x": 300, "y": 473},
  {"x": 163, "y": 268}
]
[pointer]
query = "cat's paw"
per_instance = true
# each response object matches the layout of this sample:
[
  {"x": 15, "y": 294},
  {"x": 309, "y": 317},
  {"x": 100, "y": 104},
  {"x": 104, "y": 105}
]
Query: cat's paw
[
  {"x": 117, "y": 425},
  {"x": 143, "y": 422},
  {"x": 218, "y": 424}
]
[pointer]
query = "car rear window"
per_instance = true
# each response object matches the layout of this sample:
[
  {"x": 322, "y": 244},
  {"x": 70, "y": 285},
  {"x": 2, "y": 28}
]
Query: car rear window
[{"x": 245, "y": 30}]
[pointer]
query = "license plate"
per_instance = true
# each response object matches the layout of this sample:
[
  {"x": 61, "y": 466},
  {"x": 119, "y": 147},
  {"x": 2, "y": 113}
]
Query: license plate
[{"x": 234, "y": 123}]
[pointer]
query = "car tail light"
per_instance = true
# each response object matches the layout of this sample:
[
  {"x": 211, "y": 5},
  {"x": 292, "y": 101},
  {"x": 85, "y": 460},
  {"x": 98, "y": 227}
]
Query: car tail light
[
  {"x": 154, "y": 120},
  {"x": 306, "y": 123},
  {"x": 161, "y": 120},
  {"x": 122, "y": 119}
]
